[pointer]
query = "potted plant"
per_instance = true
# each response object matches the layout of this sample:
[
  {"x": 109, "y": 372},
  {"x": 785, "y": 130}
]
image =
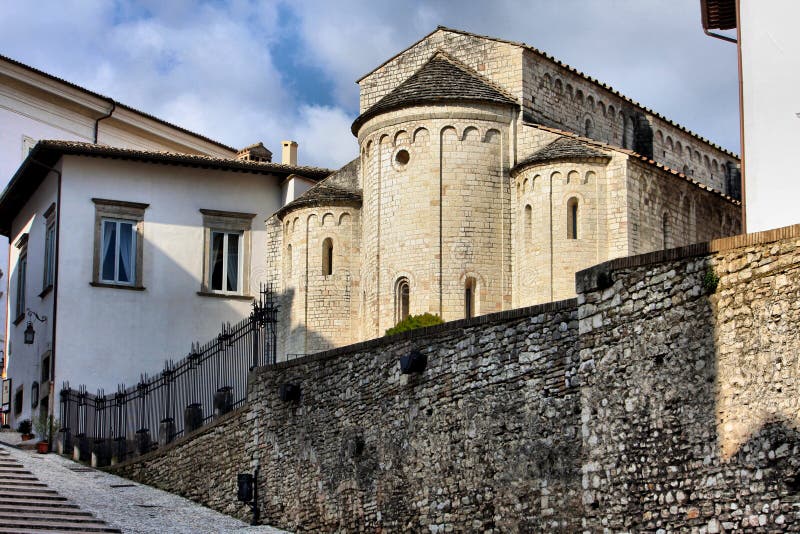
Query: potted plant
[
  {"x": 43, "y": 423},
  {"x": 24, "y": 428}
]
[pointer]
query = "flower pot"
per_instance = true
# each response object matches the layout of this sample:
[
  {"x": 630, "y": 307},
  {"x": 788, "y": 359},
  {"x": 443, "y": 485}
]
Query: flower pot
[
  {"x": 42, "y": 447},
  {"x": 27, "y": 437}
]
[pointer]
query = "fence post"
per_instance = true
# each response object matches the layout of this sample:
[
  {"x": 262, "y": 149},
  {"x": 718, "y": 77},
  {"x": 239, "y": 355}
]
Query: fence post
[
  {"x": 193, "y": 413},
  {"x": 120, "y": 446},
  {"x": 81, "y": 450},
  {"x": 101, "y": 455},
  {"x": 143, "y": 442},
  {"x": 166, "y": 429},
  {"x": 64, "y": 440}
]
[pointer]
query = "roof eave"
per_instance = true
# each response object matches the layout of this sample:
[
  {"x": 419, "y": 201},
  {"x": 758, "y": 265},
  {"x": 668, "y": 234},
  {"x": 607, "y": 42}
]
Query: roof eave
[
  {"x": 519, "y": 167},
  {"x": 372, "y": 112}
]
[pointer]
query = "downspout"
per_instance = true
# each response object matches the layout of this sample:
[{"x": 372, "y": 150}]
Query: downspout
[
  {"x": 52, "y": 392},
  {"x": 97, "y": 122}
]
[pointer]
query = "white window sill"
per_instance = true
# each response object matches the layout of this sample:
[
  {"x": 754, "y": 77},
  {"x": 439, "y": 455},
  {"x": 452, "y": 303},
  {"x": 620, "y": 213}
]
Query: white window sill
[{"x": 232, "y": 296}]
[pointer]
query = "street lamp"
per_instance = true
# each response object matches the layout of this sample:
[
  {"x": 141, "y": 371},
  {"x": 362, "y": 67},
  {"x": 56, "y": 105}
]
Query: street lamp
[{"x": 30, "y": 333}]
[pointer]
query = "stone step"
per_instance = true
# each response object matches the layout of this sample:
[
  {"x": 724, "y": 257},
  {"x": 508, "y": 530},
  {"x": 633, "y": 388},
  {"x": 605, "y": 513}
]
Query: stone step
[
  {"x": 64, "y": 526},
  {"x": 10, "y": 508},
  {"x": 27, "y": 483},
  {"x": 44, "y": 495},
  {"x": 4, "y": 478},
  {"x": 28, "y": 501},
  {"x": 6, "y": 517}
]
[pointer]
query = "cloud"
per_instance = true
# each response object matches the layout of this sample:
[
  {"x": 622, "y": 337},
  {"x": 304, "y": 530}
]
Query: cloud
[
  {"x": 244, "y": 70},
  {"x": 323, "y": 134}
]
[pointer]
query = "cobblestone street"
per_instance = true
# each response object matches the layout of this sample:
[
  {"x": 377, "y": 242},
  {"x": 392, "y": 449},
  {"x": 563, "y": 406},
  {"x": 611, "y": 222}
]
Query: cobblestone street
[{"x": 48, "y": 493}]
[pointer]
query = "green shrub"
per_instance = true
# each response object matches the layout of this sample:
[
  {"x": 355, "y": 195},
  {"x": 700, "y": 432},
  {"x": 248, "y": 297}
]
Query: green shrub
[
  {"x": 24, "y": 426},
  {"x": 415, "y": 321},
  {"x": 710, "y": 281}
]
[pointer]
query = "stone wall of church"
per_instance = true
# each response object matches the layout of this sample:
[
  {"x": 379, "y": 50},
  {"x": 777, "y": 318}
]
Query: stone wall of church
[
  {"x": 666, "y": 210},
  {"x": 436, "y": 211},
  {"x": 560, "y": 97},
  {"x": 548, "y": 247},
  {"x": 320, "y": 306}
]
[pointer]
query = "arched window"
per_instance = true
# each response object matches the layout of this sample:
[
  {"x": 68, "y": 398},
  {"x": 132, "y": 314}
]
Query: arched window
[
  {"x": 528, "y": 228},
  {"x": 588, "y": 128},
  {"x": 665, "y": 231},
  {"x": 572, "y": 218},
  {"x": 402, "y": 299},
  {"x": 327, "y": 257},
  {"x": 289, "y": 261},
  {"x": 469, "y": 298}
]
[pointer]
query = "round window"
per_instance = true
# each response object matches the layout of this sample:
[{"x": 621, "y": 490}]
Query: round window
[{"x": 402, "y": 157}]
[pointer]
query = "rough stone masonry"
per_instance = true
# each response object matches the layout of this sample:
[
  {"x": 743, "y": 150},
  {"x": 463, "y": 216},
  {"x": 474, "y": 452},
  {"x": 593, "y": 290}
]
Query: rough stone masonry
[{"x": 663, "y": 398}]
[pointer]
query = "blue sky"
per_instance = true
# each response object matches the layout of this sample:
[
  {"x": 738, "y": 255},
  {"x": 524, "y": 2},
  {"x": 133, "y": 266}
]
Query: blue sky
[{"x": 242, "y": 71}]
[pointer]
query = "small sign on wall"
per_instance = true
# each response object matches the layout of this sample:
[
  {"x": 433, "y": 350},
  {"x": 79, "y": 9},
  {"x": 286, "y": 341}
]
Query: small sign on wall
[{"x": 7, "y": 395}]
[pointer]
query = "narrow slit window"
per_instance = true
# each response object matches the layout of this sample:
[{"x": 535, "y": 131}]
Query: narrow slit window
[
  {"x": 327, "y": 257},
  {"x": 402, "y": 300},
  {"x": 528, "y": 229},
  {"x": 469, "y": 298},
  {"x": 572, "y": 218}
]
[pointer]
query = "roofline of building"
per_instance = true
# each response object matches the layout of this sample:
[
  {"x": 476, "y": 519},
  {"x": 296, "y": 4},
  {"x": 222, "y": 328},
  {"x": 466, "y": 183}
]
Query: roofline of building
[
  {"x": 552, "y": 59},
  {"x": 637, "y": 157},
  {"x": 46, "y": 154},
  {"x": 118, "y": 104}
]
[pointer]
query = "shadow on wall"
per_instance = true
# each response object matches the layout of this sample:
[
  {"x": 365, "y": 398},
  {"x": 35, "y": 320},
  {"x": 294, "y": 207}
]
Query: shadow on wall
[
  {"x": 295, "y": 339},
  {"x": 689, "y": 385}
]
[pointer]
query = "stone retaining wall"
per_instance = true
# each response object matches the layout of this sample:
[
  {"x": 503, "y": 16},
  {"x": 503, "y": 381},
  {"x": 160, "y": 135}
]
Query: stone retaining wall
[{"x": 664, "y": 398}]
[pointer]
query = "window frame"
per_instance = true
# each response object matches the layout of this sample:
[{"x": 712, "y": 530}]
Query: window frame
[
  {"x": 117, "y": 250},
  {"x": 125, "y": 212},
  {"x": 402, "y": 299},
  {"x": 573, "y": 218},
  {"x": 227, "y": 222},
  {"x": 49, "y": 268},
  {"x": 327, "y": 257},
  {"x": 20, "y": 292}
]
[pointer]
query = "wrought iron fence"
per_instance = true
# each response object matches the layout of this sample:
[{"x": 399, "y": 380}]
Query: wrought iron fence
[{"x": 209, "y": 382}]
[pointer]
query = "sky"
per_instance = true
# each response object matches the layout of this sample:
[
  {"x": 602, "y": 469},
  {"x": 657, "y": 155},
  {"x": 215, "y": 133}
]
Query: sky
[{"x": 242, "y": 71}]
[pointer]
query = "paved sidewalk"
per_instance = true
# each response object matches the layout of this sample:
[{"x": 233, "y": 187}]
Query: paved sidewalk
[{"x": 123, "y": 504}]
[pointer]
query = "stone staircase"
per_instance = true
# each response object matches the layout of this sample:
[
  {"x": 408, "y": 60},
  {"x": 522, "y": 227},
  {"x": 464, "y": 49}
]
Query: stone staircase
[{"x": 27, "y": 505}]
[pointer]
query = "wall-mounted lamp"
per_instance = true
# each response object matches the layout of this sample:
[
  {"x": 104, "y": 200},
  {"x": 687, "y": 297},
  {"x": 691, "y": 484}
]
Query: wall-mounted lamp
[
  {"x": 289, "y": 392},
  {"x": 413, "y": 362},
  {"x": 30, "y": 333},
  {"x": 247, "y": 492}
]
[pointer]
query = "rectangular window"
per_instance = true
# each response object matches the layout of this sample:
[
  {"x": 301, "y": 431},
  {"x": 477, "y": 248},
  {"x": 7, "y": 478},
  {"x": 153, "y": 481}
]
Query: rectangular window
[
  {"x": 226, "y": 254},
  {"x": 49, "y": 250},
  {"x": 22, "y": 271},
  {"x": 119, "y": 252},
  {"x": 22, "y": 276},
  {"x": 118, "y": 243},
  {"x": 225, "y": 262}
]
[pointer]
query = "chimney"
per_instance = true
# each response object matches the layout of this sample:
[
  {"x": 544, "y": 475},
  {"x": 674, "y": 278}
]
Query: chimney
[
  {"x": 289, "y": 154},
  {"x": 256, "y": 152}
]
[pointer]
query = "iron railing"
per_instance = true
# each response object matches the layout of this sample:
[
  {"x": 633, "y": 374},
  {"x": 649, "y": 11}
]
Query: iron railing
[{"x": 209, "y": 382}]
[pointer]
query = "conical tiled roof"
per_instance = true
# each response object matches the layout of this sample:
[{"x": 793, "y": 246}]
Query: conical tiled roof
[
  {"x": 441, "y": 79},
  {"x": 563, "y": 148}
]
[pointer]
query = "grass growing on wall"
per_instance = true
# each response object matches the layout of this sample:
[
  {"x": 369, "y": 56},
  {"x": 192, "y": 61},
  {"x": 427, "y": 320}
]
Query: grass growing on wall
[{"x": 415, "y": 321}]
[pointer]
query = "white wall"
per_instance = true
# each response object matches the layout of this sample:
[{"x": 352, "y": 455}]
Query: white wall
[
  {"x": 107, "y": 336},
  {"x": 24, "y": 360},
  {"x": 770, "y": 46}
]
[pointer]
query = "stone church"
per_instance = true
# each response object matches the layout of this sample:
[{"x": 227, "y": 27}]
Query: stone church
[{"x": 488, "y": 174}]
